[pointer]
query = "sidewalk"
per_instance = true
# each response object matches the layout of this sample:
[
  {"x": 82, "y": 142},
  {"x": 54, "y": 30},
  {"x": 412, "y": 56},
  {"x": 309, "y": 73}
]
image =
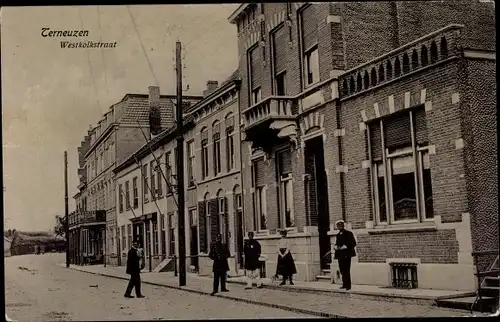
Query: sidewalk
[{"x": 334, "y": 304}]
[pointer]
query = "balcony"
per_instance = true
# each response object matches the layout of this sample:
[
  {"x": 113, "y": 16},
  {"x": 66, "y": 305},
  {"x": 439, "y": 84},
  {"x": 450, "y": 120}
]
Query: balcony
[
  {"x": 87, "y": 218},
  {"x": 425, "y": 52},
  {"x": 271, "y": 122}
]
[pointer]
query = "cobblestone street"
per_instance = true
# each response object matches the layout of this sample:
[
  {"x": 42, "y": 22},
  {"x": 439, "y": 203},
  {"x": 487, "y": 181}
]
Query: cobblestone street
[
  {"x": 33, "y": 282},
  {"x": 38, "y": 289}
]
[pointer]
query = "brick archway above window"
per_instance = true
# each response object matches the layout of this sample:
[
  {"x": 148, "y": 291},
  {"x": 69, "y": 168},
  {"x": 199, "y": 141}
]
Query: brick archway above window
[
  {"x": 312, "y": 122},
  {"x": 252, "y": 39}
]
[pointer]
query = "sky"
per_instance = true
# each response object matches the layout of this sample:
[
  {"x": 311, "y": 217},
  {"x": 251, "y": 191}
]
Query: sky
[{"x": 51, "y": 95}]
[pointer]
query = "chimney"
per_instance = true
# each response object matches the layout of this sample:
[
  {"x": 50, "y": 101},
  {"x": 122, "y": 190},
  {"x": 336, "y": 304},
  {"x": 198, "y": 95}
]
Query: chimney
[
  {"x": 154, "y": 110},
  {"x": 211, "y": 87}
]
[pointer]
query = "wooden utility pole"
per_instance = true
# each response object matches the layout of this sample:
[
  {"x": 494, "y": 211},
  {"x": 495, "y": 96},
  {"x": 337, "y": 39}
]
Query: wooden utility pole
[
  {"x": 66, "y": 214},
  {"x": 180, "y": 169}
]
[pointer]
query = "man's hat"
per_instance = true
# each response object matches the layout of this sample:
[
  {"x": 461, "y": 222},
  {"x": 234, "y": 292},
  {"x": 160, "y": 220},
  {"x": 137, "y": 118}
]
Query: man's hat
[{"x": 339, "y": 222}]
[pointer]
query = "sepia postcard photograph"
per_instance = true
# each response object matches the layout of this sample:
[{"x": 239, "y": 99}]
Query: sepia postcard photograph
[{"x": 274, "y": 160}]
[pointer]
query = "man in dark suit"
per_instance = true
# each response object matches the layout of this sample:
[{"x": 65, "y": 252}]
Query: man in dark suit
[
  {"x": 134, "y": 270},
  {"x": 219, "y": 253},
  {"x": 344, "y": 251},
  {"x": 252, "y": 251}
]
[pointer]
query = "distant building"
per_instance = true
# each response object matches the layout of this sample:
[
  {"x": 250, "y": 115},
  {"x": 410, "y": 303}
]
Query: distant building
[{"x": 7, "y": 243}]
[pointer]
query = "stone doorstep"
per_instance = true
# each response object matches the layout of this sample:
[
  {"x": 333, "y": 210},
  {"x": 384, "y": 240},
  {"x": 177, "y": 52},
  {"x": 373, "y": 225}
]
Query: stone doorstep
[{"x": 234, "y": 298}]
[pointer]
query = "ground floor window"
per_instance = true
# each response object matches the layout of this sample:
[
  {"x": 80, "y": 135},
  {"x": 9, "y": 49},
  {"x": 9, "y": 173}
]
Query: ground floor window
[
  {"x": 286, "y": 194},
  {"x": 163, "y": 238},
  {"x": 124, "y": 238},
  {"x": 155, "y": 238},
  {"x": 171, "y": 228},
  {"x": 129, "y": 233},
  {"x": 260, "y": 193}
]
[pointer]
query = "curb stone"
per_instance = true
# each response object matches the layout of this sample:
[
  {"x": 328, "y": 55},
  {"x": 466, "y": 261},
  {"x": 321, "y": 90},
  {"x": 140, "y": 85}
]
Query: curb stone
[{"x": 276, "y": 306}]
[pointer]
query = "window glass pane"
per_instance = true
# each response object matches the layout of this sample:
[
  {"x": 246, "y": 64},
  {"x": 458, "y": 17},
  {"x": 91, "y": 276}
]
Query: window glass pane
[
  {"x": 427, "y": 183},
  {"x": 381, "y": 193},
  {"x": 403, "y": 188},
  {"x": 289, "y": 215}
]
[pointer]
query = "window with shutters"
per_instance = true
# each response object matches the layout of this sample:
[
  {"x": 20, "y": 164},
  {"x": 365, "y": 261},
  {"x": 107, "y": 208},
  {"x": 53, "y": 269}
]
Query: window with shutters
[
  {"x": 284, "y": 160},
  {"x": 309, "y": 45},
  {"x": 255, "y": 74},
  {"x": 159, "y": 178},
  {"x": 230, "y": 142},
  {"x": 190, "y": 165},
  {"x": 127, "y": 195},
  {"x": 280, "y": 51},
  {"x": 204, "y": 153},
  {"x": 259, "y": 195},
  {"x": 171, "y": 234},
  {"x": 216, "y": 145},
  {"x": 153, "y": 180},
  {"x": 135, "y": 192},
  {"x": 145, "y": 185},
  {"x": 401, "y": 174},
  {"x": 120, "y": 197},
  {"x": 168, "y": 172}
]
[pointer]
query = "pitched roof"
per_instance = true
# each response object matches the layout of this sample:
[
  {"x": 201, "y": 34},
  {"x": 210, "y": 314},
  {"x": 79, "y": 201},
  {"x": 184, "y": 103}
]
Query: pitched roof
[{"x": 137, "y": 109}]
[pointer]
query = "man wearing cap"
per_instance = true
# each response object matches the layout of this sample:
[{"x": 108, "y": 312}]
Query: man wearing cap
[
  {"x": 134, "y": 270},
  {"x": 344, "y": 251},
  {"x": 219, "y": 253}
]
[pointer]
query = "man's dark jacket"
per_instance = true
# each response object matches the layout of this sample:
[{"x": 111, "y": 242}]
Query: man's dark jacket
[
  {"x": 219, "y": 253},
  {"x": 345, "y": 238},
  {"x": 133, "y": 259},
  {"x": 252, "y": 251}
]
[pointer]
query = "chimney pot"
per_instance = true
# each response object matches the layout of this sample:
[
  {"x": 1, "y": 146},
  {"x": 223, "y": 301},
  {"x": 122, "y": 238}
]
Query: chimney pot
[
  {"x": 154, "y": 110},
  {"x": 211, "y": 87}
]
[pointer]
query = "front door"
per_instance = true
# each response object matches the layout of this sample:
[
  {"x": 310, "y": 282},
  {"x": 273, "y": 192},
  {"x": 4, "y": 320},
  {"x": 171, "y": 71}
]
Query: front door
[
  {"x": 318, "y": 196},
  {"x": 194, "y": 246}
]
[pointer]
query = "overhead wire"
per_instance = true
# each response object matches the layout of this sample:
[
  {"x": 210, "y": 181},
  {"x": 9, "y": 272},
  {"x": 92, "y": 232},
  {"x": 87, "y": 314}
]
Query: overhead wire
[{"x": 142, "y": 45}]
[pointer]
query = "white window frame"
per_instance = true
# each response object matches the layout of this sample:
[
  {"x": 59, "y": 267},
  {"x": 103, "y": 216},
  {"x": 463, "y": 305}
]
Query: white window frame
[
  {"x": 256, "y": 95},
  {"x": 419, "y": 164},
  {"x": 208, "y": 223},
  {"x": 307, "y": 66},
  {"x": 261, "y": 206},
  {"x": 286, "y": 198},
  {"x": 191, "y": 165},
  {"x": 221, "y": 214},
  {"x": 280, "y": 74}
]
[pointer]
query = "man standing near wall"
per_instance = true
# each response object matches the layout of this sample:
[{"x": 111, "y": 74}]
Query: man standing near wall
[{"x": 344, "y": 251}]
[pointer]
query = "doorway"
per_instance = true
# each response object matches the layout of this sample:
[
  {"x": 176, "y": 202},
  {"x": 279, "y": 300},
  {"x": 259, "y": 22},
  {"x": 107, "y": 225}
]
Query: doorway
[
  {"x": 193, "y": 247},
  {"x": 239, "y": 237},
  {"x": 317, "y": 192}
]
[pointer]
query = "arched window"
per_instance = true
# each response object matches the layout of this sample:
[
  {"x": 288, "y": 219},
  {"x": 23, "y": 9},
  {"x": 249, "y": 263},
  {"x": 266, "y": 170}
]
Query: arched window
[
  {"x": 216, "y": 143},
  {"x": 366, "y": 81},
  {"x": 424, "y": 58},
  {"x": 443, "y": 48},
  {"x": 406, "y": 63},
  {"x": 222, "y": 219},
  {"x": 434, "y": 53},
  {"x": 345, "y": 90},
  {"x": 204, "y": 153},
  {"x": 389, "y": 70},
  {"x": 381, "y": 73},
  {"x": 414, "y": 59},
  {"x": 397, "y": 68},
  {"x": 359, "y": 83},
  {"x": 373, "y": 77},
  {"x": 230, "y": 152},
  {"x": 208, "y": 220}
]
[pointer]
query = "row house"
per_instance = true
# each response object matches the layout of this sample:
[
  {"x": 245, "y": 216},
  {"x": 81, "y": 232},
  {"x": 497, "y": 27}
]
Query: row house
[
  {"x": 120, "y": 132},
  {"x": 381, "y": 114},
  {"x": 146, "y": 185}
]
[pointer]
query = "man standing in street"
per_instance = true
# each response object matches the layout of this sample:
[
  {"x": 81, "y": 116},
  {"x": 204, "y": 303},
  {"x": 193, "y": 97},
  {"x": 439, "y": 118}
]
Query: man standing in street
[
  {"x": 344, "y": 251},
  {"x": 219, "y": 253},
  {"x": 134, "y": 270},
  {"x": 252, "y": 251}
]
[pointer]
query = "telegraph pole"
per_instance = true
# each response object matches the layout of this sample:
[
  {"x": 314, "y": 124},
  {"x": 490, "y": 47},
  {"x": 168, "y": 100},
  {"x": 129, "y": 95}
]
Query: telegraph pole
[
  {"x": 180, "y": 169},
  {"x": 66, "y": 225}
]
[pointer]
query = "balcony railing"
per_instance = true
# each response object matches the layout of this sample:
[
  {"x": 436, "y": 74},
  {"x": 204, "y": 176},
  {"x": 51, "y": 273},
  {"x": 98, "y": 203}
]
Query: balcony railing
[
  {"x": 273, "y": 107},
  {"x": 85, "y": 217},
  {"x": 416, "y": 55}
]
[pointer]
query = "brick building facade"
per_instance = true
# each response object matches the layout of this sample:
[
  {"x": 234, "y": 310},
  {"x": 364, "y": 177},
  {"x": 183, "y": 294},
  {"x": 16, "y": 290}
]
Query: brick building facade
[{"x": 336, "y": 95}]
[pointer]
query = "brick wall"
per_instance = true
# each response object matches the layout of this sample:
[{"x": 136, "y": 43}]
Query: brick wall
[
  {"x": 479, "y": 131},
  {"x": 431, "y": 247}
]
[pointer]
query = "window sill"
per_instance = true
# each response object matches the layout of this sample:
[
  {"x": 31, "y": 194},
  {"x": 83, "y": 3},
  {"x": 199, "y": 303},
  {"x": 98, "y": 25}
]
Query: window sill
[
  {"x": 401, "y": 228},
  {"x": 191, "y": 187}
]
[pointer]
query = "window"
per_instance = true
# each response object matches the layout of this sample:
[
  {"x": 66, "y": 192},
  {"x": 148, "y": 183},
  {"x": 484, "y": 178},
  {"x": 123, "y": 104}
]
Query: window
[
  {"x": 168, "y": 172},
  {"x": 127, "y": 195},
  {"x": 279, "y": 54},
  {"x": 159, "y": 188},
  {"x": 287, "y": 218},
  {"x": 124, "y": 238},
  {"x": 401, "y": 173},
  {"x": 204, "y": 153},
  {"x": 153, "y": 180},
  {"x": 312, "y": 66},
  {"x": 261, "y": 208},
  {"x": 112, "y": 237},
  {"x": 155, "y": 238},
  {"x": 171, "y": 234},
  {"x": 129, "y": 234},
  {"x": 193, "y": 218},
  {"x": 174, "y": 177},
  {"x": 230, "y": 142},
  {"x": 216, "y": 155},
  {"x": 255, "y": 74},
  {"x": 135, "y": 193},
  {"x": 190, "y": 165},
  {"x": 148, "y": 238},
  {"x": 145, "y": 182},
  {"x": 208, "y": 222},
  {"x": 163, "y": 238},
  {"x": 221, "y": 213},
  {"x": 309, "y": 45},
  {"x": 120, "y": 197}
]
